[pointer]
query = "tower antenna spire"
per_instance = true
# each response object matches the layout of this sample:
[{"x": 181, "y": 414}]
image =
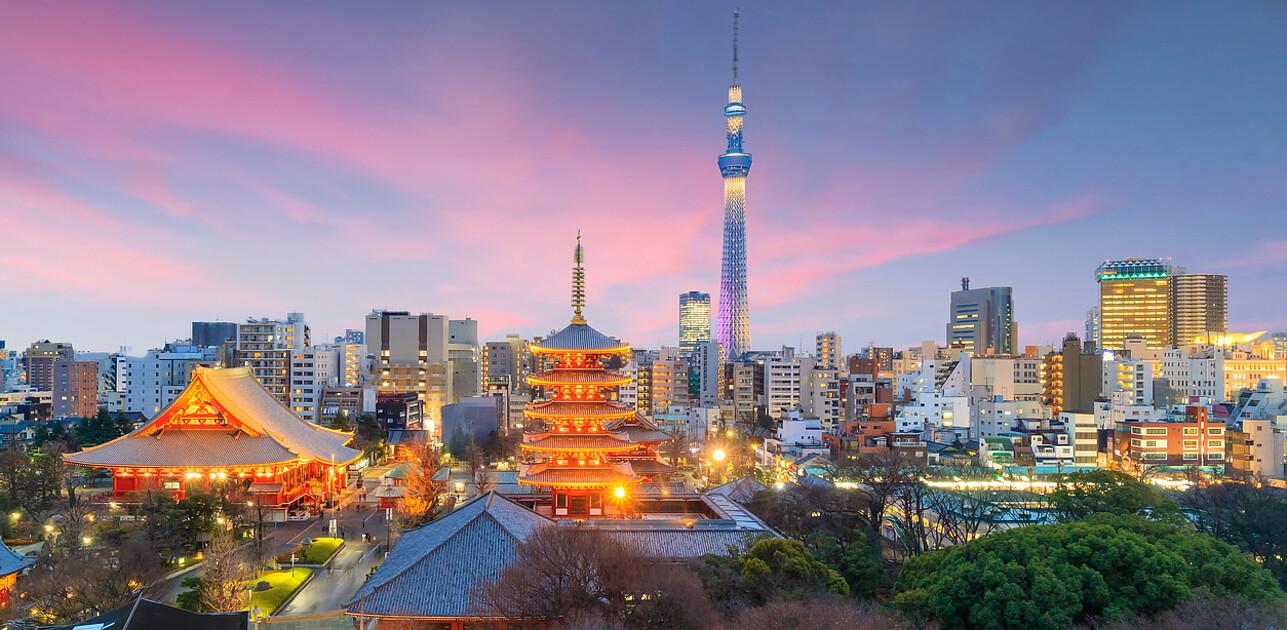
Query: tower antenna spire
[
  {"x": 735, "y": 14},
  {"x": 578, "y": 282}
]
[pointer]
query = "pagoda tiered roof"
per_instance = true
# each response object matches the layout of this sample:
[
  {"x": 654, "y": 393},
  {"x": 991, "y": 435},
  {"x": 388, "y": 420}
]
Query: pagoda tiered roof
[
  {"x": 578, "y": 376},
  {"x": 542, "y": 474},
  {"x": 639, "y": 428},
  {"x": 601, "y": 441},
  {"x": 596, "y": 409},
  {"x": 225, "y": 418},
  {"x": 580, "y": 337}
]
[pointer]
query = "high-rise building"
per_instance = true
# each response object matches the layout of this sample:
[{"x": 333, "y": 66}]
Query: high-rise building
[
  {"x": 424, "y": 354},
  {"x": 694, "y": 319},
  {"x": 733, "y": 325},
  {"x": 462, "y": 357},
  {"x": 1280, "y": 345},
  {"x": 827, "y": 351},
  {"x": 507, "y": 364},
  {"x": 1199, "y": 306},
  {"x": 1134, "y": 298},
  {"x": 205, "y": 334},
  {"x": 981, "y": 321}
]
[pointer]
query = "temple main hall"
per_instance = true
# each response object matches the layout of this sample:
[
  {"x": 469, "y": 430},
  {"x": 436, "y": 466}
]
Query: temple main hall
[{"x": 225, "y": 427}]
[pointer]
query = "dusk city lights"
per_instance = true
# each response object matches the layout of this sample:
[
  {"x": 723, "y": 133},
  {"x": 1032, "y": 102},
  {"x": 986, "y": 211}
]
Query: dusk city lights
[{"x": 438, "y": 315}]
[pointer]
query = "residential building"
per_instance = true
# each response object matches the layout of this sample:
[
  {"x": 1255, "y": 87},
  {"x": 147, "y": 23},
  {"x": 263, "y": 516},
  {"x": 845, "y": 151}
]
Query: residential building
[
  {"x": 694, "y": 320},
  {"x": 1195, "y": 440},
  {"x": 827, "y": 351},
  {"x": 741, "y": 379},
  {"x": 75, "y": 389},
  {"x": 312, "y": 370},
  {"x": 821, "y": 397},
  {"x": 784, "y": 378},
  {"x": 1133, "y": 377},
  {"x": 670, "y": 380},
  {"x": 38, "y": 362},
  {"x": 265, "y": 346},
  {"x": 508, "y": 362},
  {"x": 1084, "y": 435},
  {"x": 153, "y": 381},
  {"x": 411, "y": 355},
  {"x": 1071, "y": 377},
  {"x": 981, "y": 321},
  {"x": 709, "y": 357},
  {"x": 462, "y": 357},
  {"x": 1199, "y": 306}
]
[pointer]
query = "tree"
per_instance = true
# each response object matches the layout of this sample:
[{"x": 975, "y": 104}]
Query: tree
[
  {"x": 790, "y": 614},
  {"x": 424, "y": 493},
  {"x": 1054, "y": 576},
  {"x": 1247, "y": 514},
  {"x": 1098, "y": 491},
  {"x": 457, "y": 443},
  {"x": 959, "y": 516},
  {"x": 11, "y": 465},
  {"x": 69, "y": 586},
  {"x": 1205, "y": 613},
  {"x": 772, "y": 569},
  {"x": 221, "y": 585},
  {"x": 476, "y": 468},
  {"x": 39, "y": 484},
  {"x": 586, "y": 578}
]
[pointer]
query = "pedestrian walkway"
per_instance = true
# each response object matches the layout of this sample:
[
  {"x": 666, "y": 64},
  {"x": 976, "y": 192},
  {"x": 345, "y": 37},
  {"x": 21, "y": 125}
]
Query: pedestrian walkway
[{"x": 333, "y": 587}]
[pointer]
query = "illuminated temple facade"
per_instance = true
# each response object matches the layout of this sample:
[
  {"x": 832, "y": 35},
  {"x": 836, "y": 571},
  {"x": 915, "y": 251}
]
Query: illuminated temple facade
[
  {"x": 225, "y": 427},
  {"x": 590, "y": 451}
]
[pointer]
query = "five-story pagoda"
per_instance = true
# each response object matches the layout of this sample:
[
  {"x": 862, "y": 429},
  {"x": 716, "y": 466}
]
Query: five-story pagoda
[{"x": 577, "y": 454}]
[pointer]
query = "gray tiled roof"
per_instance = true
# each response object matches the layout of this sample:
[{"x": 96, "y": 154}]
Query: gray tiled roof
[
  {"x": 742, "y": 490},
  {"x": 682, "y": 544},
  {"x": 186, "y": 449},
  {"x": 433, "y": 569},
  {"x": 11, "y": 562},
  {"x": 579, "y": 337}
]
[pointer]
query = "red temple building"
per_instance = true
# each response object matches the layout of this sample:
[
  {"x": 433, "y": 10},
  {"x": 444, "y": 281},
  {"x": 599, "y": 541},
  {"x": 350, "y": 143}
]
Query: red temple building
[
  {"x": 226, "y": 427},
  {"x": 591, "y": 450}
]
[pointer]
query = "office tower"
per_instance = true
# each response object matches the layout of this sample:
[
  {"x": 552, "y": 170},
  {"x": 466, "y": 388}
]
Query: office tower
[
  {"x": 981, "y": 321},
  {"x": 694, "y": 319},
  {"x": 206, "y": 334},
  {"x": 39, "y": 363},
  {"x": 265, "y": 345},
  {"x": 1280, "y": 345},
  {"x": 733, "y": 326},
  {"x": 1199, "y": 306},
  {"x": 827, "y": 351},
  {"x": 354, "y": 336},
  {"x": 1092, "y": 327},
  {"x": 1134, "y": 298}
]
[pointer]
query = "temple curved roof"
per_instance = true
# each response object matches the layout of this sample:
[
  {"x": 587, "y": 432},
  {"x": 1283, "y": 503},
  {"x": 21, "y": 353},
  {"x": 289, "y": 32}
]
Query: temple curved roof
[
  {"x": 223, "y": 418},
  {"x": 639, "y": 429},
  {"x": 572, "y": 409},
  {"x": 580, "y": 337}
]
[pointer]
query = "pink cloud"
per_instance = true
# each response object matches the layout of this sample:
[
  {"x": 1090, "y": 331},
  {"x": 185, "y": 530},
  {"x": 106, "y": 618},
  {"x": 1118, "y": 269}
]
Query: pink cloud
[{"x": 1264, "y": 253}]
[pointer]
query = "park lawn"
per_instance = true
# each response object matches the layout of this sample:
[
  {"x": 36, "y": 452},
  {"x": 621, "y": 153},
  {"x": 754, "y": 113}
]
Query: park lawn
[
  {"x": 282, "y": 583},
  {"x": 316, "y": 553}
]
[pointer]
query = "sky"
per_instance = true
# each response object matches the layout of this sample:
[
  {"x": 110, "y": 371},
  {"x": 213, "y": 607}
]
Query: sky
[{"x": 167, "y": 162}]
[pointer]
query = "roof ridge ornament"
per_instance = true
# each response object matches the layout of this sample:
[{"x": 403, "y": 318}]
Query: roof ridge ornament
[{"x": 578, "y": 282}]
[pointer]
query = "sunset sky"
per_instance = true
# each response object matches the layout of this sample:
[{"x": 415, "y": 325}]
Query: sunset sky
[{"x": 164, "y": 162}]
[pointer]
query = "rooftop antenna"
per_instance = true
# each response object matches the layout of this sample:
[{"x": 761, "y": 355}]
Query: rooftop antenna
[{"x": 735, "y": 14}]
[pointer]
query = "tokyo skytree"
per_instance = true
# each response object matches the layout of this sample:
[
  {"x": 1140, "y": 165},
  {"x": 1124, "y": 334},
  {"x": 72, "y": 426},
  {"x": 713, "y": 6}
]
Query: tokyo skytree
[{"x": 733, "y": 323}]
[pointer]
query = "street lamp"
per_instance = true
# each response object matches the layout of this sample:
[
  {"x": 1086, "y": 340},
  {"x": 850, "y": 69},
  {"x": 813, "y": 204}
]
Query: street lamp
[
  {"x": 718, "y": 455},
  {"x": 292, "y": 565}
]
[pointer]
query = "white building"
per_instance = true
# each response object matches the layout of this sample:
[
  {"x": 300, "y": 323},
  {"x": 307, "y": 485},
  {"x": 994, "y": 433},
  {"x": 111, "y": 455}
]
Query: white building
[
  {"x": 822, "y": 397},
  {"x": 312, "y": 370},
  {"x": 784, "y": 378},
  {"x": 153, "y": 381},
  {"x": 1133, "y": 377}
]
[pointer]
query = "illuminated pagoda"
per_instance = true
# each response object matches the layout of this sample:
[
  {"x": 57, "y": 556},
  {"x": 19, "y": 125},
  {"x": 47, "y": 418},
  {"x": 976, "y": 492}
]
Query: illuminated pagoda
[
  {"x": 586, "y": 451},
  {"x": 226, "y": 427}
]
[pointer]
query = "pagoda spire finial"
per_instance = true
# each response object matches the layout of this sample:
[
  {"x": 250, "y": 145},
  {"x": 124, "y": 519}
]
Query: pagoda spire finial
[
  {"x": 735, "y": 14},
  {"x": 578, "y": 282}
]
